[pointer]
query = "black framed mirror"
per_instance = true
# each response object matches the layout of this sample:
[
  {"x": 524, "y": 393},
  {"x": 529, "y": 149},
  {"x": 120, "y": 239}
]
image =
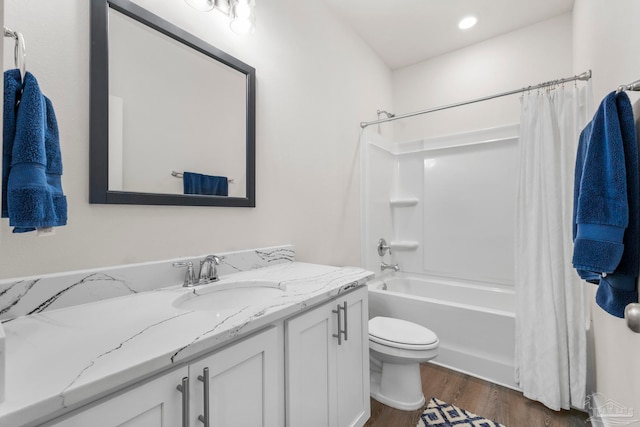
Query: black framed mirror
[{"x": 166, "y": 106}]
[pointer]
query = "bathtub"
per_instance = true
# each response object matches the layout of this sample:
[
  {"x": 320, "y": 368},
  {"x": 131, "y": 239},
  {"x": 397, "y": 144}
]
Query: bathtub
[{"x": 475, "y": 324}]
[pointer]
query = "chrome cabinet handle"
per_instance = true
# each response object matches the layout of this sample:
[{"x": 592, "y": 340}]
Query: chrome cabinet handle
[
  {"x": 345, "y": 320},
  {"x": 184, "y": 389},
  {"x": 339, "y": 334},
  {"x": 205, "y": 380},
  {"x": 341, "y": 331}
]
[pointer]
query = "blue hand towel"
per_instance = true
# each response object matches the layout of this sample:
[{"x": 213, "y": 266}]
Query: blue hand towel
[
  {"x": 12, "y": 92},
  {"x": 606, "y": 216},
  {"x": 34, "y": 197},
  {"x": 195, "y": 183}
]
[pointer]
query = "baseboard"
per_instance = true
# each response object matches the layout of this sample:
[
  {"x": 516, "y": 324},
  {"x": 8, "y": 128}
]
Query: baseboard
[{"x": 496, "y": 372}]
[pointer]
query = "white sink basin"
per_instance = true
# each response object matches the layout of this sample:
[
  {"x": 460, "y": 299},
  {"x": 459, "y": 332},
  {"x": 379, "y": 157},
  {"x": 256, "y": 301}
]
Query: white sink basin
[{"x": 229, "y": 296}]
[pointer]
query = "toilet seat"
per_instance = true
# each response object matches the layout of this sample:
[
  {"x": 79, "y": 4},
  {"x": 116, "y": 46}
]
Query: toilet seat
[{"x": 401, "y": 334}]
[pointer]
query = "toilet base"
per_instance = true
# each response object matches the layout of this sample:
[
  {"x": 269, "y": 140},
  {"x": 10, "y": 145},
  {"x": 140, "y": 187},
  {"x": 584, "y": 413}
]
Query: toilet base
[{"x": 397, "y": 385}]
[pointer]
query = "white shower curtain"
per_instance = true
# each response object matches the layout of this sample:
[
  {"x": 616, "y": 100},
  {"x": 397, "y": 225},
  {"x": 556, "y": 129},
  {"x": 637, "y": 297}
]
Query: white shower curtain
[{"x": 550, "y": 356}]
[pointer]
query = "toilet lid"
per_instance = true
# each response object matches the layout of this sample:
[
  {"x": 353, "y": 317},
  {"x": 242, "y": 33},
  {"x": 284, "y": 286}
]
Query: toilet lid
[{"x": 389, "y": 330}]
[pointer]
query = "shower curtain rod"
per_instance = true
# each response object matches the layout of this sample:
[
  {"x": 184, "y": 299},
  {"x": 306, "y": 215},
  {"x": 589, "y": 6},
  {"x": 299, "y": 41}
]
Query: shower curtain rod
[{"x": 583, "y": 76}]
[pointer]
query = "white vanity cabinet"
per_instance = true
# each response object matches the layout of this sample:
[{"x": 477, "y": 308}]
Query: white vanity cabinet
[
  {"x": 327, "y": 359},
  {"x": 242, "y": 389},
  {"x": 309, "y": 370}
]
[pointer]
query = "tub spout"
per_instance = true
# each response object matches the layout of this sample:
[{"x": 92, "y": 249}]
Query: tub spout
[{"x": 393, "y": 267}]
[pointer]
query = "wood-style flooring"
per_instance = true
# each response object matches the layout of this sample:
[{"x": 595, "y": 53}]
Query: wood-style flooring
[{"x": 501, "y": 404}]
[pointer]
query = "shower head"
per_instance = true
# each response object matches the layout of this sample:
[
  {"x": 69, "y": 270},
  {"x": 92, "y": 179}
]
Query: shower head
[{"x": 389, "y": 115}]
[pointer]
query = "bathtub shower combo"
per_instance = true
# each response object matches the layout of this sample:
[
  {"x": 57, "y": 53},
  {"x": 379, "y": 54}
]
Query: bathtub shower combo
[
  {"x": 439, "y": 228},
  {"x": 445, "y": 207}
]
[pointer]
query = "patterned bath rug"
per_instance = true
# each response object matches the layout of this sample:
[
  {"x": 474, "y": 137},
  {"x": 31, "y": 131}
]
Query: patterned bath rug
[{"x": 443, "y": 414}]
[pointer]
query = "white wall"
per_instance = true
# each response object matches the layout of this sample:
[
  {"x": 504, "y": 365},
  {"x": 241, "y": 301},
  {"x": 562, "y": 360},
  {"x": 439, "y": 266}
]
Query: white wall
[
  {"x": 534, "y": 54},
  {"x": 316, "y": 81},
  {"x": 607, "y": 40}
]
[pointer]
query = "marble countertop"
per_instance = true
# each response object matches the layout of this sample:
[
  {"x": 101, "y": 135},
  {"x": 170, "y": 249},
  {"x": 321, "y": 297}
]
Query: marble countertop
[{"x": 64, "y": 358}]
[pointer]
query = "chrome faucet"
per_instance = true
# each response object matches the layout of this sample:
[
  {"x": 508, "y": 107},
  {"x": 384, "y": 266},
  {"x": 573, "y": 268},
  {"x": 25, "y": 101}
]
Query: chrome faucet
[
  {"x": 209, "y": 269},
  {"x": 393, "y": 267}
]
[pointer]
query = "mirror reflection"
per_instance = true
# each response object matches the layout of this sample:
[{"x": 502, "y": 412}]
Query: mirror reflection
[
  {"x": 171, "y": 109},
  {"x": 181, "y": 114}
]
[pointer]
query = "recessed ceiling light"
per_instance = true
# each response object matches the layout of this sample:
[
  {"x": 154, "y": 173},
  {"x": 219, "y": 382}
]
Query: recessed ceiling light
[{"x": 468, "y": 22}]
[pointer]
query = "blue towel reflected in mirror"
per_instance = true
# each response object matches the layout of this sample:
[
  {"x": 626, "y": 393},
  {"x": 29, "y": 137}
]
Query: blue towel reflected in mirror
[{"x": 196, "y": 183}]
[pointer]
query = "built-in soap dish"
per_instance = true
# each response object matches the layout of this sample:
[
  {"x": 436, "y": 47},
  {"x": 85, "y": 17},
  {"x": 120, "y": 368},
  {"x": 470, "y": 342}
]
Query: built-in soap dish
[
  {"x": 403, "y": 202},
  {"x": 404, "y": 245}
]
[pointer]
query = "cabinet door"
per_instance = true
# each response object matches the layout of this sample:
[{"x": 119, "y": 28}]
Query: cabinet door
[
  {"x": 328, "y": 383},
  {"x": 353, "y": 362},
  {"x": 311, "y": 359},
  {"x": 243, "y": 384},
  {"x": 156, "y": 403}
]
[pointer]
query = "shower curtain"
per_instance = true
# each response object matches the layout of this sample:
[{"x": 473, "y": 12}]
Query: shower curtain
[{"x": 550, "y": 356}]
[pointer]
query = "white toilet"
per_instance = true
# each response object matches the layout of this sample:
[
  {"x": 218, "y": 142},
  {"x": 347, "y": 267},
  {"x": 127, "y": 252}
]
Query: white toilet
[{"x": 396, "y": 349}]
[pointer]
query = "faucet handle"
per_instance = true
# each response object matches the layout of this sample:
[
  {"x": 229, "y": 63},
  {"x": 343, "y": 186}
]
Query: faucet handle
[
  {"x": 383, "y": 247},
  {"x": 190, "y": 276}
]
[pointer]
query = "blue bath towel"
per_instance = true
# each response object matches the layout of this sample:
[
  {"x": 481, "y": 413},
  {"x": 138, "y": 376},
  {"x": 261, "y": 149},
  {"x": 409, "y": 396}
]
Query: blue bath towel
[
  {"x": 196, "y": 183},
  {"x": 606, "y": 216},
  {"x": 32, "y": 187}
]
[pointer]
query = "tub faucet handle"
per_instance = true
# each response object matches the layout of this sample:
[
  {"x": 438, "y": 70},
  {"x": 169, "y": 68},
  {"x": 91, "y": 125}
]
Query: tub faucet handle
[{"x": 383, "y": 247}]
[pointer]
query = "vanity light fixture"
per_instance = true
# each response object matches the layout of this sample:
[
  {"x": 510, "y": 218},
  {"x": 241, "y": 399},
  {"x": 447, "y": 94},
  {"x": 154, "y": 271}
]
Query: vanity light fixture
[
  {"x": 241, "y": 13},
  {"x": 467, "y": 22},
  {"x": 243, "y": 17}
]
